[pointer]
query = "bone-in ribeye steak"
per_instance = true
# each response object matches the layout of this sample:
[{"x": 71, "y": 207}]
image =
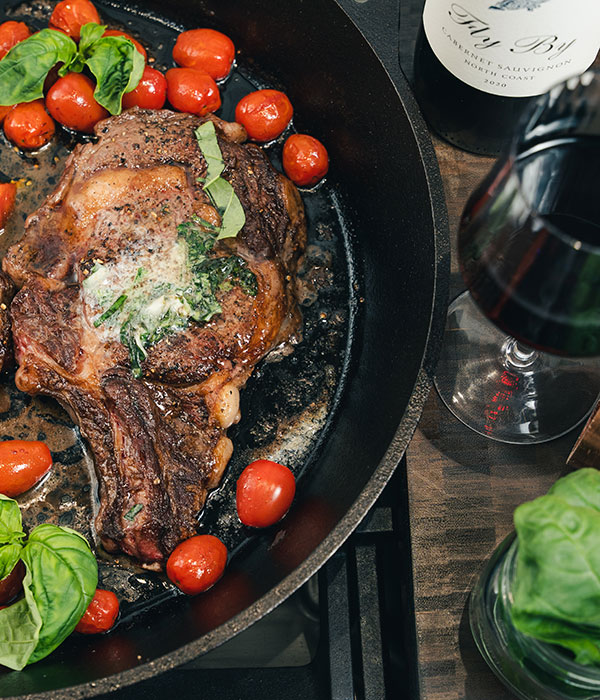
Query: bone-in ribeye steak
[{"x": 159, "y": 440}]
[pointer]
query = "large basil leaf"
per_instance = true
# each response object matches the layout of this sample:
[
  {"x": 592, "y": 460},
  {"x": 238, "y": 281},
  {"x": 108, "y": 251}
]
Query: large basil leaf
[
  {"x": 117, "y": 67},
  {"x": 9, "y": 556},
  {"x": 90, "y": 33},
  {"x": 11, "y": 527},
  {"x": 24, "y": 68},
  {"x": 557, "y": 581},
  {"x": 20, "y": 624},
  {"x": 64, "y": 575}
]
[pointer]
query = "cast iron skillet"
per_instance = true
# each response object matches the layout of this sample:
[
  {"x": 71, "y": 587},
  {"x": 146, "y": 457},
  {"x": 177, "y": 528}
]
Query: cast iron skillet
[{"x": 385, "y": 200}]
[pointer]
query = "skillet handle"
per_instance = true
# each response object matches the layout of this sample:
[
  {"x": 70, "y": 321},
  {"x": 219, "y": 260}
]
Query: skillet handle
[{"x": 379, "y": 22}]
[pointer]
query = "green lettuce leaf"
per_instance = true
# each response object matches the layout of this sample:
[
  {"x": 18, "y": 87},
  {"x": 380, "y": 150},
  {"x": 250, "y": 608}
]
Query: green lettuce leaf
[
  {"x": 579, "y": 488},
  {"x": 117, "y": 67},
  {"x": 20, "y": 624},
  {"x": 64, "y": 576},
  {"x": 24, "y": 68}
]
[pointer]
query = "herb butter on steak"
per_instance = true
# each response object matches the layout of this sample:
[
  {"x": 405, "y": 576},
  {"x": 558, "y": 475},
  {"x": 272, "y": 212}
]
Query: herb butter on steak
[{"x": 123, "y": 238}]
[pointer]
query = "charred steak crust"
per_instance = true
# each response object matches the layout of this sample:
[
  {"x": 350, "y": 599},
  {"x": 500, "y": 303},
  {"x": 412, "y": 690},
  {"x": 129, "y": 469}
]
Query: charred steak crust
[{"x": 159, "y": 442}]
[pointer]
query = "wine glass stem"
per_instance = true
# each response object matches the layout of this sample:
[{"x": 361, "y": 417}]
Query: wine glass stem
[{"x": 517, "y": 356}]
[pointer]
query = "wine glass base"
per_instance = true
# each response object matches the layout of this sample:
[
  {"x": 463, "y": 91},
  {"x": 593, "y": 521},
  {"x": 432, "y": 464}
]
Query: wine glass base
[{"x": 512, "y": 396}]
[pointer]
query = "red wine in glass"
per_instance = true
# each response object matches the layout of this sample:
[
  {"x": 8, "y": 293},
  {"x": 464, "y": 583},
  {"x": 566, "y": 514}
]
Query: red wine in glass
[
  {"x": 536, "y": 273},
  {"x": 520, "y": 359}
]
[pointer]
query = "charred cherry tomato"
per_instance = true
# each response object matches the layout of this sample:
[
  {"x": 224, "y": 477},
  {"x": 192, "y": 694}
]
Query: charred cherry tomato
[
  {"x": 28, "y": 125},
  {"x": 135, "y": 42},
  {"x": 22, "y": 464},
  {"x": 150, "y": 93},
  {"x": 197, "y": 564},
  {"x": 71, "y": 102},
  {"x": 8, "y": 194},
  {"x": 264, "y": 493},
  {"x": 305, "y": 160},
  {"x": 12, "y": 584},
  {"x": 264, "y": 114},
  {"x": 190, "y": 90},
  {"x": 11, "y": 33},
  {"x": 101, "y": 613},
  {"x": 206, "y": 50},
  {"x": 70, "y": 15}
]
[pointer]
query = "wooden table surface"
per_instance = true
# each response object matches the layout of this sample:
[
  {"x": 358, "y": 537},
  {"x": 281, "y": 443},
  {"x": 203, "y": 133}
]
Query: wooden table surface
[{"x": 463, "y": 489}]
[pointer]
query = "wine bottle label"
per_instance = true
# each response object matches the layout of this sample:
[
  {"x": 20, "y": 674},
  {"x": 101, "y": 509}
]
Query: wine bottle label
[{"x": 513, "y": 48}]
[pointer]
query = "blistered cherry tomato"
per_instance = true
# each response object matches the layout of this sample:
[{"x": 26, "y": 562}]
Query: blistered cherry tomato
[
  {"x": 71, "y": 102},
  {"x": 305, "y": 160},
  {"x": 28, "y": 125},
  {"x": 190, "y": 90},
  {"x": 205, "y": 49},
  {"x": 70, "y": 15},
  {"x": 12, "y": 584},
  {"x": 11, "y": 33},
  {"x": 197, "y": 564},
  {"x": 264, "y": 493},
  {"x": 22, "y": 464},
  {"x": 101, "y": 613},
  {"x": 264, "y": 113},
  {"x": 136, "y": 43},
  {"x": 150, "y": 93},
  {"x": 8, "y": 194}
]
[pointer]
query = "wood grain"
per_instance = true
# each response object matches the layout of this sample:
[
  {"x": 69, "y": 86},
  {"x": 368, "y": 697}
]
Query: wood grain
[{"x": 463, "y": 489}]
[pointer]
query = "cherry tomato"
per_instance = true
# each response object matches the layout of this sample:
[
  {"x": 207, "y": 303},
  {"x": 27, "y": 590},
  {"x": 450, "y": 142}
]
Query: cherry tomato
[
  {"x": 206, "y": 50},
  {"x": 264, "y": 493},
  {"x": 12, "y": 584},
  {"x": 264, "y": 113},
  {"x": 190, "y": 90},
  {"x": 101, "y": 613},
  {"x": 197, "y": 564},
  {"x": 22, "y": 464},
  {"x": 71, "y": 102},
  {"x": 11, "y": 33},
  {"x": 28, "y": 125},
  {"x": 138, "y": 46},
  {"x": 70, "y": 15},
  {"x": 150, "y": 93},
  {"x": 305, "y": 159},
  {"x": 8, "y": 194}
]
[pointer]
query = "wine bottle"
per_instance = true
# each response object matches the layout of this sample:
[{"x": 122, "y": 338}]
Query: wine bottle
[{"x": 479, "y": 64}]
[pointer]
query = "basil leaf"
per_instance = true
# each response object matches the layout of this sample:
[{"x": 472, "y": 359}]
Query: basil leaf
[
  {"x": 20, "y": 625},
  {"x": 9, "y": 556},
  {"x": 557, "y": 581},
  {"x": 579, "y": 488},
  {"x": 24, "y": 68},
  {"x": 64, "y": 576},
  {"x": 117, "y": 67},
  {"x": 207, "y": 140},
  {"x": 11, "y": 527},
  {"x": 90, "y": 33},
  {"x": 229, "y": 206},
  {"x": 221, "y": 193}
]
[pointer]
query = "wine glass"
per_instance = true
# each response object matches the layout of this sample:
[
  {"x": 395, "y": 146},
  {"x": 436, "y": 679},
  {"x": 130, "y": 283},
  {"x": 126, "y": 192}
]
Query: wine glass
[{"x": 529, "y": 252}]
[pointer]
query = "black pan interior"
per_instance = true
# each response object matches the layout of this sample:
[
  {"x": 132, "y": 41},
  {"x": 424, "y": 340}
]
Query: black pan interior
[{"x": 332, "y": 409}]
